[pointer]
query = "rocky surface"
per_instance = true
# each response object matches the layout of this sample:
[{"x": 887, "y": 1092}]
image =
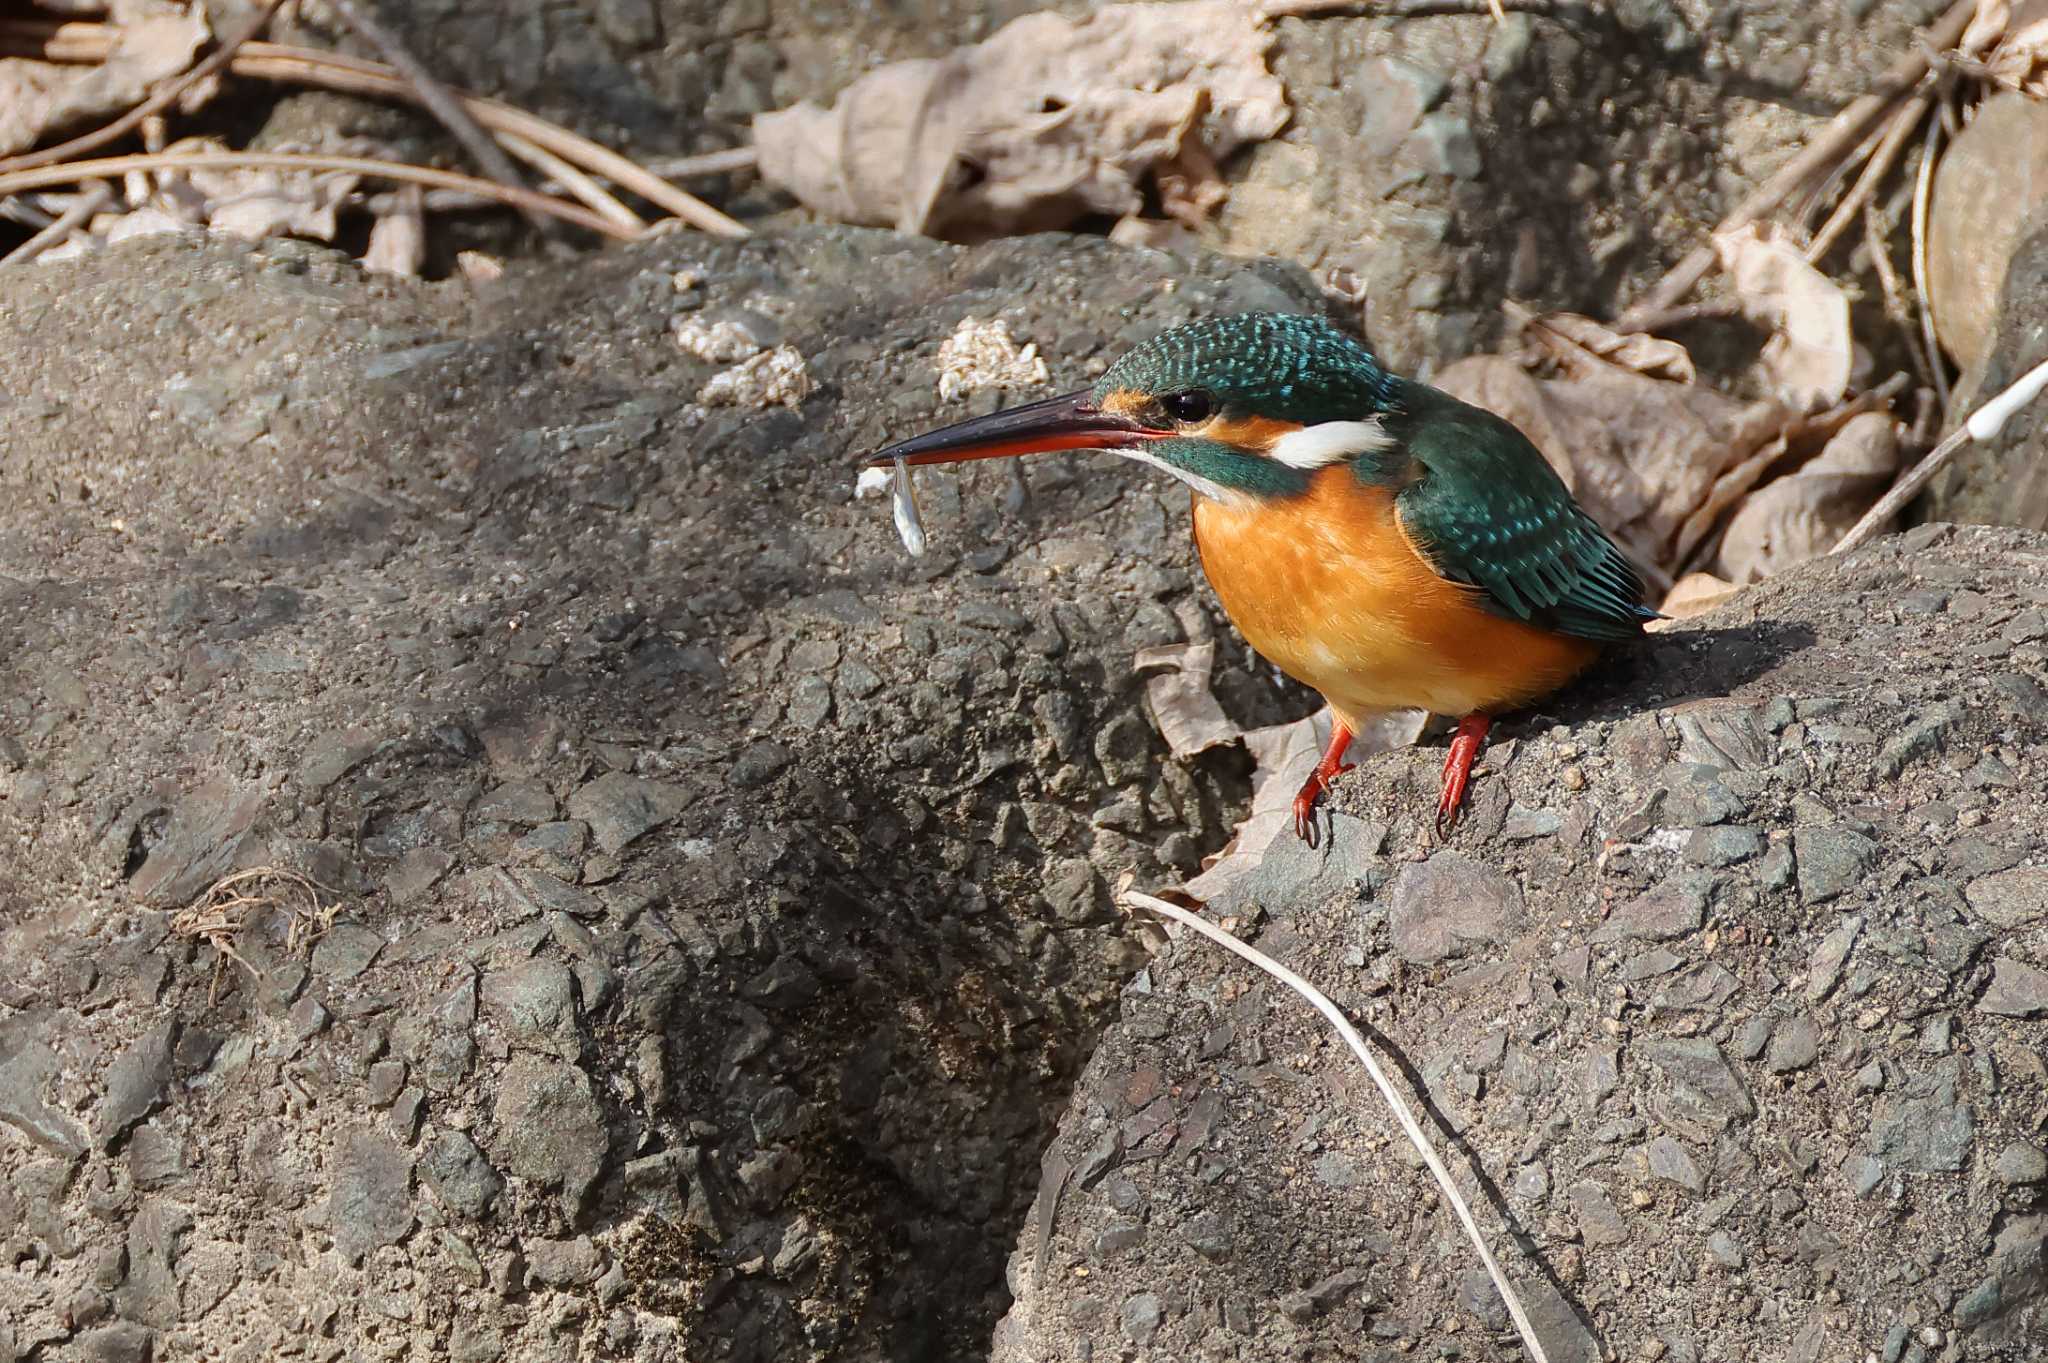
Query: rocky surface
[
  {"x": 1730, "y": 998},
  {"x": 712, "y": 903}
]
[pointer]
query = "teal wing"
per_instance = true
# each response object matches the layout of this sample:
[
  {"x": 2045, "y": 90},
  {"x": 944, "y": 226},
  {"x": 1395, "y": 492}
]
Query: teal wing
[{"x": 1487, "y": 510}]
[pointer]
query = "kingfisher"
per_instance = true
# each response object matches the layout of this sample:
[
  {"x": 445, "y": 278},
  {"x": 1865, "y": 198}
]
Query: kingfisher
[{"x": 1376, "y": 539}]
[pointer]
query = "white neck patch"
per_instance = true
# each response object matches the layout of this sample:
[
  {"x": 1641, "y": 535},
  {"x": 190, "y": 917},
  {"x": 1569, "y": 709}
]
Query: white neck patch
[
  {"x": 1314, "y": 447},
  {"x": 1214, "y": 491}
]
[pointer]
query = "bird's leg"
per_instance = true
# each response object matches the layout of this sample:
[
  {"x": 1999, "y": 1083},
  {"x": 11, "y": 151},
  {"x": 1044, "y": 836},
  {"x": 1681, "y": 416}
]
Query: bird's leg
[
  {"x": 1458, "y": 768},
  {"x": 1329, "y": 769}
]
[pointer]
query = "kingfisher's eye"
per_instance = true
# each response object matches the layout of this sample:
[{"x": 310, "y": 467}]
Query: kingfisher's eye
[{"x": 1188, "y": 407}]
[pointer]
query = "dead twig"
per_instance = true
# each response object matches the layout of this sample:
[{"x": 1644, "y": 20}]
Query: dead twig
[
  {"x": 448, "y": 110},
  {"x": 1984, "y": 424},
  {"x": 1846, "y": 131},
  {"x": 285, "y": 64},
  {"x": 162, "y": 99},
  {"x": 218, "y": 916},
  {"x": 1877, "y": 238},
  {"x": 1402, "y": 1113},
  {"x": 1400, "y": 9},
  {"x": 1923, "y": 196},
  {"x": 706, "y": 163},
  {"x": 41, "y": 177},
  {"x": 1719, "y": 309},
  {"x": 1886, "y": 154},
  {"x": 94, "y": 196}
]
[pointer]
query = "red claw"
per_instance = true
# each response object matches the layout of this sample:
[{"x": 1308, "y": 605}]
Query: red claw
[
  {"x": 1327, "y": 770},
  {"x": 1458, "y": 769}
]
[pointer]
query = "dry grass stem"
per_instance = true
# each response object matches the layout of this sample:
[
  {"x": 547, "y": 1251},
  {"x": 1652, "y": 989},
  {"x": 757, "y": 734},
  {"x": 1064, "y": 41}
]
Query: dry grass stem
[
  {"x": 566, "y": 178},
  {"x": 1402, "y": 1113},
  {"x": 219, "y": 915},
  {"x": 1877, "y": 237},
  {"x": 162, "y": 99},
  {"x": 1882, "y": 159},
  {"x": 449, "y": 111},
  {"x": 1923, "y": 196},
  {"x": 43, "y": 177},
  {"x": 1847, "y": 131},
  {"x": 92, "y": 200}
]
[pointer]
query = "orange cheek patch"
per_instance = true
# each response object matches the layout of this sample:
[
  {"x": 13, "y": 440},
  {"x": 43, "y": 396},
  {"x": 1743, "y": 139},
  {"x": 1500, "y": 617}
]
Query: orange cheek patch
[
  {"x": 1248, "y": 433},
  {"x": 1125, "y": 402}
]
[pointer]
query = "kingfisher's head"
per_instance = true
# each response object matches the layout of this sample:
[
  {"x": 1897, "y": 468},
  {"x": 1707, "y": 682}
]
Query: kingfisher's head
[{"x": 1244, "y": 407}]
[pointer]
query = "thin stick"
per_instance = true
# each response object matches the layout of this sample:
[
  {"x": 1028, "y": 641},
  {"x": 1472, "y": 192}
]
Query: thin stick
[
  {"x": 285, "y": 64},
  {"x": 706, "y": 163},
  {"x": 1984, "y": 424},
  {"x": 1880, "y": 164},
  {"x": 434, "y": 96},
  {"x": 270, "y": 61},
  {"x": 1402, "y": 1114},
  {"x": 1845, "y": 131},
  {"x": 1877, "y": 237},
  {"x": 72, "y": 173},
  {"x": 70, "y": 220},
  {"x": 162, "y": 99},
  {"x": 1400, "y": 9},
  {"x": 567, "y": 178},
  {"x": 1923, "y": 196}
]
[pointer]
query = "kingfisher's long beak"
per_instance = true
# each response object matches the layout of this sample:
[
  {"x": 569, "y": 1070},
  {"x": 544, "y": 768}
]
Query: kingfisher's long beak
[{"x": 1071, "y": 422}]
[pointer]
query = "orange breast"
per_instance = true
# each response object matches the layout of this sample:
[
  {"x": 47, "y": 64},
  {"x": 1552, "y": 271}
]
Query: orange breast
[{"x": 1329, "y": 588}]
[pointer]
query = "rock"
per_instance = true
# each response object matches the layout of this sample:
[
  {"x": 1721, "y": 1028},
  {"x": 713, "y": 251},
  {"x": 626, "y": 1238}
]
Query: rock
[
  {"x": 1723, "y": 845},
  {"x": 1671, "y": 910},
  {"x": 1794, "y": 1045},
  {"x": 551, "y": 1130},
  {"x": 1925, "y": 1129},
  {"x": 516, "y": 802},
  {"x": 2017, "y": 990},
  {"x": 1600, "y": 1223},
  {"x": 1141, "y": 1317},
  {"x": 1825, "y": 966},
  {"x": 564, "y": 1263},
  {"x": 2017, "y": 898},
  {"x": 124, "y": 1341},
  {"x": 1697, "y": 1064},
  {"x": 2020, "y": 1164},
  {"x": 536, "y": 1003},
  {"x": 619, "y": 808},
  {"x": 2003, "y": 480},
  {"x": 1831, "y": 861},
  {"x": 370, "y": 1202},
  {"x": 459, "y": 1174},
  {"x": 136, "y": 1083},
  {"x": 26, "y": 1067},
  {"x": 345, "y": 951},
  {"x": 1449, "y": 906},
  {"x": 1671, "y": 1162},
  {"x": 1721, "y": 1246}
]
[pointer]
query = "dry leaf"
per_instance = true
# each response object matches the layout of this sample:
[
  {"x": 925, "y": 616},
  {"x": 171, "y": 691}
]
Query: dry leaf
[
  {"x": 398, "y": 239},
  {"x": 1695, "y": 594},
  {"x": 2020, "y": 62},
  {"x": 1184, "y": 709},
  {"x": 1156, "y": 233},
  {"x": 1810, "y": 353},
  {"x": 1986, "y": 26},
  {"x": 1802, "y": 515},
  {"x": 1049, "y": 120},
  {"x": 1640, "y": 454},
  {"x": 1637, "y": 351},
  {"x": 40, "y": 98},
  {"x": 479, "y": 268},
  {"x": 1283, "y": 755}
]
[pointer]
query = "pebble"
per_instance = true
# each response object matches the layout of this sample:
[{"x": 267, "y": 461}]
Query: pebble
[
  {"x": 1724, "y": 845},
  {"x": 459, "y": 1174},
  {"x": 1794, "y": 1045},
  {"x": 619, "y": 808},
  {"x": 517, "y": 802},
  {"x": 2020, "y": 1164},
  {"x": 2016, "y": 898},
  {"x": 1449, "y": 906},
  {"x": 551, "y": 1129},
  {"x": 1824, "y": 968},
  {"x": 370, "y": 1202},
  {"x": 1696, "y": 1063},
  {"x": 345, "y": 951},
  {"x": 1832, "y": 860},
  {"x": 1670, "y": 1161},
  {"x": 1671, "y": 910},
  {"x": 1600, "y": 1221},
  {"x": 136, "y": 1082},
  {"x": 564, "y": 1263},
  {"x": 2018, "y": 990}
]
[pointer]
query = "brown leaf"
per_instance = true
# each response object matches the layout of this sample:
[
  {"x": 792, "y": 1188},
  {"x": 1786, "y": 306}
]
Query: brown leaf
[
  {"x": 1695, "y": 594},
  {"x": 1637, "y": 351},
  {"x": 1810, "y": 353},
  {"x": 1184, "y": 709},
  {"x": 1640, "y": 454},
  {"x": 1057, "y": 118},
  {"x": 1801, "y": 515},
  {"x": 2021, "y": 60},
  {"x": 39, "y": 98}
]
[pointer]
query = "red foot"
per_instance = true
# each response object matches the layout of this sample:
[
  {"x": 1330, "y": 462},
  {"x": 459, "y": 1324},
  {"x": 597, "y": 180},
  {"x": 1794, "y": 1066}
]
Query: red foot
[
  {"x": 1329, "y": 769},
  {"x": 1458, "y": 769}
]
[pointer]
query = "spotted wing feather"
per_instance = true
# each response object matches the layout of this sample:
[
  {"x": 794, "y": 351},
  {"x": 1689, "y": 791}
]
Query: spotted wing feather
[{"x": 1487, "y": 510}]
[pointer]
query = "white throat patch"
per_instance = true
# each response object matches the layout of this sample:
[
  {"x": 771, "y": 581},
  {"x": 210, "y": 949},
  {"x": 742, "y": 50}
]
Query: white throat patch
[
  {"x": 1214, "y": 491},
  {"x": 1314, "y": 447}
]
